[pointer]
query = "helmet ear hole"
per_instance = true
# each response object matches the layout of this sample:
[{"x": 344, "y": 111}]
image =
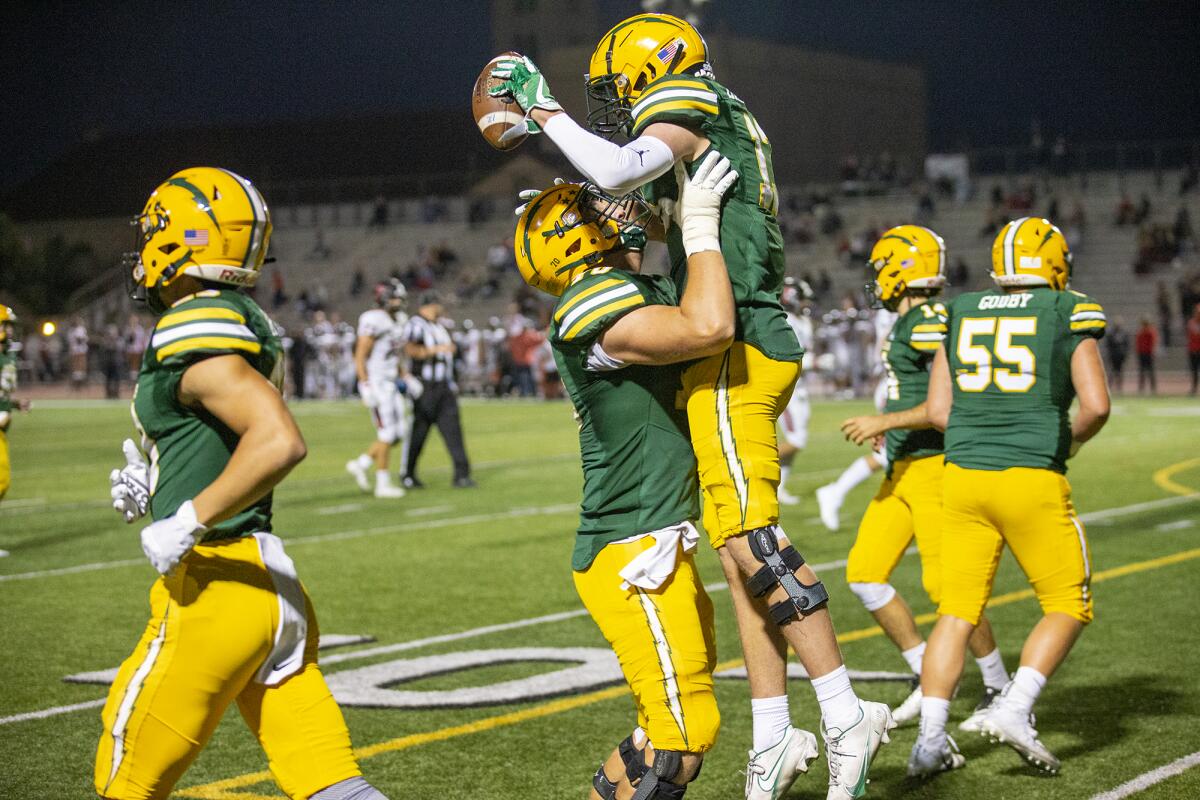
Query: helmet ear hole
[
  {"x": 573, "y": 248},
  {"x": 169, "y": 247}
]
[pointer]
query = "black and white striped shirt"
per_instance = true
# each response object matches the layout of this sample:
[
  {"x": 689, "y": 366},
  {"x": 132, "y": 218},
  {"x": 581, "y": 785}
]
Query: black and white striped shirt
[{"x": 430, "y": 335}]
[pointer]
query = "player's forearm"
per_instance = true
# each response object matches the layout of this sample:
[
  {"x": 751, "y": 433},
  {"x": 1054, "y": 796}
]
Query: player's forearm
[
  {"x": 615, "y": 168},
  {"x": 706, "y": 307},
  {"x": 362, "y": 349},
  {"x": 915, "y": 419},
  {"x": 265, "y": 454}
]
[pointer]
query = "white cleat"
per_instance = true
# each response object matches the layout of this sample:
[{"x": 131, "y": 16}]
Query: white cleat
[
  {"x": 787, "y": 498},
  {"x": 1005, "y": 726},
  {"x": 359, "y": 474},
  {"x": 389, "y": 492},
  {"x": 927, "y": 759},
  {"x": 851, "y": 751},
  {"x": 829, "y": 503},
  {"x": 772, "y": 772},
  {"x": 910, "y": 709},
  {"x": 971, "y": 723}
]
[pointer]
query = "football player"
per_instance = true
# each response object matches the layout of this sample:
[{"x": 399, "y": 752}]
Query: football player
[
  {"x": 651, "y": 80},
  {"x": 377, "y": 365},
  {"x": 910, "y": 270},
  {"x": 229, "y": 618},
  {"x": 8, "y": 385},
  {"x": 612, "y": 331},
  {"x": 1001, "y": 387},
  {"x": 796, "y": 299}
]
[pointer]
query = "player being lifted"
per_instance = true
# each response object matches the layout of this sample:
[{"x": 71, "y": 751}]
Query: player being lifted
[
  {"x": 796, "y": 299},
  {"x": 229, "y": 619},
  {"x": 611, "y": 330},
  {"x": 8, "y": 385},
  {"x": 910, "y": 266},
  {"x": 651, "y": 80},
  {"x": 1001, "y": 387},
  {"x": 377, "y": 365}
]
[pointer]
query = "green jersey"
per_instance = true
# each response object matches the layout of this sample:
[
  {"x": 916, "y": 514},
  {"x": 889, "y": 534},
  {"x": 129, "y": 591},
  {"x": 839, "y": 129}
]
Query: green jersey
[
  {"x": 8, "y": 380},
  {"x": 752, "y": 242},
  {"x": 907, "y": 355},
  {"x": 1010, "y": 367},
  {"x": 639, "y": 473},
  {"x": 188, "y": 447}
]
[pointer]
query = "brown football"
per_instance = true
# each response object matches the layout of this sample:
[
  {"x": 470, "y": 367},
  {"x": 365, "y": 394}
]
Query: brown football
[{"x": 496, "y": 115}]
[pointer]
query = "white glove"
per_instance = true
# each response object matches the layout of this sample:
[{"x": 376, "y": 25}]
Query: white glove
[
  {"x": 698, "y": 212},
  {"x": 131, "y": 484},
  {"x": 525, "y": 195},
  {"x": 414, "y": 387},
  {"x": 367, "y": 395},
  {"x": 167, "y": 541}
]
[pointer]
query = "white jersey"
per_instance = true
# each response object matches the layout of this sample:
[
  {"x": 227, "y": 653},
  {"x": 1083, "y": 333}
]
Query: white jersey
[
  {"x": 803, "y": 328},
  {"x": 383, "y": 362}
]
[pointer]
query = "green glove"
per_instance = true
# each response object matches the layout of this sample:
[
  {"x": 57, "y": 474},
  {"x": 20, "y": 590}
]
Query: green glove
[
  {"x": 527, "y": 86},
  {"x": 633, "y": 238}
]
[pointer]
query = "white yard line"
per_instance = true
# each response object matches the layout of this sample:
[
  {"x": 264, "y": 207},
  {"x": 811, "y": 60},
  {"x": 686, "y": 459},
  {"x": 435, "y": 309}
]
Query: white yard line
[
  {"x": 1147, "y": 779},
  {"x": 51, "y": 712}
]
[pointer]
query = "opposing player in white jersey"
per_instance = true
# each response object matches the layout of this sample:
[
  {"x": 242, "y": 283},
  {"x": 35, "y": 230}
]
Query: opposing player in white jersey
[
  {"x": 377, "y": 355},
  {"x": 831, "y": 496},
  {"x": 796, "y": 298}
]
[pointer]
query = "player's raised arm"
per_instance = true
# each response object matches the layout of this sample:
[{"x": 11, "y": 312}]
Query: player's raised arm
[{"x": 703, "y": 322}]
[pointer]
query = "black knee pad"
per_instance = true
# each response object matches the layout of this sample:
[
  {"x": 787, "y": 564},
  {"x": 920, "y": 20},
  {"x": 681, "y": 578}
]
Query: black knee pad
[
  {"x": 780, "y": 570},
  {"x": 635, "y": 769},
  {"x": 660, "y": 783}
]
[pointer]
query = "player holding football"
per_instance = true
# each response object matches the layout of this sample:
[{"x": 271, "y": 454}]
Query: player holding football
[
  {"x": 377, "y": 365},
  {"x": 651, "y": 78},
  {"x": 910, "y": 266},
  {"x": 1001, "y": 387},
  {"x": 229, "y": 619},
  {"x": 796, "y": 300},
  {"x": 8, "y": 385}
]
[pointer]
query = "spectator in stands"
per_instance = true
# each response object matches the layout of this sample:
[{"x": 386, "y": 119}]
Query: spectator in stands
[
  {"x": 358, "y": 282},
  {"x": 548, "y": 368},
  {"x": 380, "y": 213},
  {"x": 112, "y": 360},
  {"x": 1058, "y": 157},
  {"x": 1189, "y": 178},
  {"x": 278, "y": 296},
  {"x": 133, "y": 342},
  {"x": 959, "y": 273},
  {"x": 925, "y": 206},
  {"x": 321, "y": 251},
  {"x": 1163, "y": 301},
  {"x": 993, "y": 220},
  {"x": 1052, "y": 209},
  {"x": 1116, "y": 341},
  {"x": 997, "y": 195},
  {"x": 523, "y": 346},
  {"x": 77, "y": 348},
  {"x": 1124, "y": 212},
  {"x": 1142, "y": 212},
  {"x": 1183, "y": 228},
  {"x": 1193, "y": 343},
  {"x": 1189, "y": 292},
  {"x": 1146, "y": 344}
]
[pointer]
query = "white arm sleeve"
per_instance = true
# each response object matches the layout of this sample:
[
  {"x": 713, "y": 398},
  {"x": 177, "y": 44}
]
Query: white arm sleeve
[{"x": 612, "y": 167}]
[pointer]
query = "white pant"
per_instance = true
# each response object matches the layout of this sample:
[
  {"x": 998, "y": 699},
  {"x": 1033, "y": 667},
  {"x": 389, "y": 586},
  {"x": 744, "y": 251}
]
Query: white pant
[
  {"x": 390, "y": 415},
  {"x": 793, "y": 422}
]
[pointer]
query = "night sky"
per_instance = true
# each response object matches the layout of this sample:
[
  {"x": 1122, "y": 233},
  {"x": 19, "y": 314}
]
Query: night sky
[{"x": 1096, "y": 71}]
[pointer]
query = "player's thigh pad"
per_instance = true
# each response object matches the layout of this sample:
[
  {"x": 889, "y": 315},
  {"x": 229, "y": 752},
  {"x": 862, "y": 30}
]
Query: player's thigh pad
[
  {"x": 883, "y": 535},
  {"x": 665, "y": 642},
  {"x": 919, "y": 485},
  {"x": 733, "y": 402},
  {"x": 970, "y": 542},
  {"x": 211, "y": 625},
  {"x": 1039, "y": 525}
]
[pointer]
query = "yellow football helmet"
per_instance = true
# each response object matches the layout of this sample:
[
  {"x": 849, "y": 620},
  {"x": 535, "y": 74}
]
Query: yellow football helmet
[
  {"x": 1031, "y": 252},
  {"x": 636, "y": 52},
  {"x": 8, "y": 319},
  {"x": 205, "y": 222},
  {"x": 568, "y": 228},
  {"x": 907, "y": 259}
]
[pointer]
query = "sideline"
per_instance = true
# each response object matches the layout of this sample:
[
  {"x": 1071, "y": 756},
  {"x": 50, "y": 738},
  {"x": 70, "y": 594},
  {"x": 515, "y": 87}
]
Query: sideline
[
  {"x": 1147, "y": 779},
  {"x": 225, "y": 789}
]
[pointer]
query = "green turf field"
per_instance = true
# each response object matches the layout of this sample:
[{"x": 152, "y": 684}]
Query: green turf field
[{"x": 73, "y": 592}]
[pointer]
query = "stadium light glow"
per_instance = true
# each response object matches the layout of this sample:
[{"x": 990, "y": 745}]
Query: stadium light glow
[{"x": 48, "y": 328}]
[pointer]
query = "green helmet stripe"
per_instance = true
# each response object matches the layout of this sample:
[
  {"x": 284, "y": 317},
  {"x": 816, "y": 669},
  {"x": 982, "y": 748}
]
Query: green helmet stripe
[{"x": 201, "y": 199}]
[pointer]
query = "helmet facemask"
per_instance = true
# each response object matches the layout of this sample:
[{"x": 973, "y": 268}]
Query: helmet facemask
[{"x": 608, "y": 111}]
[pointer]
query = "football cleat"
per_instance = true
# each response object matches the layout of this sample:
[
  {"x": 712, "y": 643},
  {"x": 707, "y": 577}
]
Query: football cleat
[
  {"x": 1003, "y": 725},
  {"x": 829, "y": 503},
  {"x": 910, "y": 709},
  {"x": 771, "y": 772},
  {"x": 851, "y": 751},
  {"x": 971, "y": 723},
  {"x": 387, "y": 491},
  {"x": 927, "y": 759},
  {"x": 412, "y": 483},
  {"x": 359, "y": 474},
  {"x": 787, "y": 498}
]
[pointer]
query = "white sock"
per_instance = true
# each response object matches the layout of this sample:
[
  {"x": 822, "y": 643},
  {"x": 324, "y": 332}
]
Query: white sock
[
  {"x": 784, "y": 471},
  {"x": 1023, "y": 692},
  {"x": 839, "y": 704},
  {"x": 855, "y": 474},
  {"x": 934, "y": 713},
  {"x": 771, "y": 720},
  {"x": 992, "y": 667},
  {"x": 913, "y": 656},
  {"x": 382, "y": 478},
  {"x": 365, "y": 461}
]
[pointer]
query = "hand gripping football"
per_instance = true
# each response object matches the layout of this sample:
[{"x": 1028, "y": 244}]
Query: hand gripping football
[{"x": 497, "y": 116}]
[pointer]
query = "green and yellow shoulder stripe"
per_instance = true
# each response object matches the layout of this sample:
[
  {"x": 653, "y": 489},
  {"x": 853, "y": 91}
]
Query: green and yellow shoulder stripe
[
  {"x": 597, "y": 299},
  {"x": 204, "y": 324},
  {"x": 676, "y": 98},
  {"x": 1087, "y": 316}
]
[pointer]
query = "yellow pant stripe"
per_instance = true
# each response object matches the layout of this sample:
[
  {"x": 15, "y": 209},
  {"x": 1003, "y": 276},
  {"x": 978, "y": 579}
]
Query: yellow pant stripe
[
  {"x": 728, "y": 443},
  {"x": 663, "y": 649},
  {"x": 125, "y": 711}
]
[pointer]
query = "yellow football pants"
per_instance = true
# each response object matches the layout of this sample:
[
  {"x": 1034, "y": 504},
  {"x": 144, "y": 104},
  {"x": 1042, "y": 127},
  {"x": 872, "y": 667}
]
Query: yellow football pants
[
  {"x": 733, "y": 401},
  {"x": 212, "y": 623},
  {"x": 5, "y": 469},
  {"x": 665, "y": 642},
  {"x": 1030, "y": 510},
  {"x": 908, "y": 503}
]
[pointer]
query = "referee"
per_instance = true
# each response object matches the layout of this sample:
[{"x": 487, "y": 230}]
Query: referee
[{"x": 431, "y": 351}]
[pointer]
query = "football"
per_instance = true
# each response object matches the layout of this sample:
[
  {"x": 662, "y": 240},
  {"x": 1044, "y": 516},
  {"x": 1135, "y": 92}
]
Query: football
[{"x": 496, "y": 116}]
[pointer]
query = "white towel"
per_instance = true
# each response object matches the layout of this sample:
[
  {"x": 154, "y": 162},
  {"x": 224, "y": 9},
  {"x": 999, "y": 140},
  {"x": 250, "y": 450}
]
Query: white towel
[
  {"x": 652, "y": 567},
  {"x": 287, "y": 654}
]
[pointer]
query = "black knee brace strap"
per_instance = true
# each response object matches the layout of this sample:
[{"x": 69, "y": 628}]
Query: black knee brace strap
[
  {"x": 780, "y": 569},
  {"x": 658, "y": 784},
  {"x": 635, "y": 769}
]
